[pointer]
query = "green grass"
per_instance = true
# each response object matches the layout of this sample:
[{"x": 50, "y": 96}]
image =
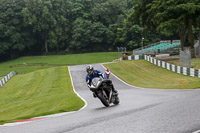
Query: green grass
[
  {"x": 43, "y": 85},
  {"x": 29, "y": 64},
  {"x": 43, "y": 92},
  {"x": 195, "y": 63},
  {"x": 144, "y": 74}
]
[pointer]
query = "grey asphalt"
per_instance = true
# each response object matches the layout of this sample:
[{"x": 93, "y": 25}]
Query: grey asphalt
[{"x": 140, "y": 111}]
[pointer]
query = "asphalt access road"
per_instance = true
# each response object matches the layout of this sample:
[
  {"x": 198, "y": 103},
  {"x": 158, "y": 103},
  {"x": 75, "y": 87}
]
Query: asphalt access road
[{"x": 140, "y": 111}]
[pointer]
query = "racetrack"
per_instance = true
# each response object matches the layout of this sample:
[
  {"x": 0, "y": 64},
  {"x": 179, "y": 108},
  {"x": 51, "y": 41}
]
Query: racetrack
[{"x": 140, "y": 111}]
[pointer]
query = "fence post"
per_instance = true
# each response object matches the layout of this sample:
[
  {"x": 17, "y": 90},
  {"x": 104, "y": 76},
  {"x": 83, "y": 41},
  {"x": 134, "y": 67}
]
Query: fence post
[
  {"x": 1, "y": 83},
  {"x": 6, "y": 78}
]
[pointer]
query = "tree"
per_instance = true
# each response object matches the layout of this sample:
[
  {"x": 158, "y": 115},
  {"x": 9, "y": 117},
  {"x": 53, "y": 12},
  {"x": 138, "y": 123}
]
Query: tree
[
  {"x": 88, "y": 36},
  {"x": 12, "y": 35},
  {"x": 46, "y": 17},
  {"x": 169, "y": 14}
]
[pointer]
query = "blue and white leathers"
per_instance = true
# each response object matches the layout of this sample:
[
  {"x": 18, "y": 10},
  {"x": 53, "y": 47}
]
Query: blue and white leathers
[{"x": 96, "y": 73}]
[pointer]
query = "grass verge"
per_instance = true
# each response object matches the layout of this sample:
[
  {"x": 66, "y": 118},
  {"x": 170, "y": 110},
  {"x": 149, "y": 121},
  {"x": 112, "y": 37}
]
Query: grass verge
[
  {"x": 43, "y": 92},
  {"x": 195, "y": 63},
  {"x": 29, "y": 64},
  {"x": 144, "y": 74}
]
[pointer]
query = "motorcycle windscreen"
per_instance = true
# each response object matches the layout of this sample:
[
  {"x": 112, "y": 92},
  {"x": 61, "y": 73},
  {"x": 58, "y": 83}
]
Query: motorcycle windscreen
[{"x": 96, "y": 81}]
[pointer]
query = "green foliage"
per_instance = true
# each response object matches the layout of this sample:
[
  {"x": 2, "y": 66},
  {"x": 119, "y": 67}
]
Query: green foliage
[
  {"x": 87, "y": 35},
  {"x": 171, "y": 15},
  {"x": 33, "y": 27},
  {"x": 11, "y": 27},
  {"x": 47, "y": 18},
  {"x": 54, "y": 25}
]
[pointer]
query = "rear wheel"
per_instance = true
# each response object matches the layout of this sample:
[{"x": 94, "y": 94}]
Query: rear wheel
[
  {"x": 103, "y": 99},
  {"x": 116, "y": 100}
]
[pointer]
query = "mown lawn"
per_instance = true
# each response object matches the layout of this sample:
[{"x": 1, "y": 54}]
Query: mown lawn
[
  {"x": 43, "y": 85},
  {"x": 195, "y": 63},
  {"x": 144, "y": 74},
  {"x": 29, "y": 64},
  {"x": 43, "y": 92}
]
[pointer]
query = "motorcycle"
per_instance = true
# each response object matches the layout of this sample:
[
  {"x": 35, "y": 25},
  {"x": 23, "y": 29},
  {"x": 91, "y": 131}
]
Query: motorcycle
[{"x": 103, "y": 91}]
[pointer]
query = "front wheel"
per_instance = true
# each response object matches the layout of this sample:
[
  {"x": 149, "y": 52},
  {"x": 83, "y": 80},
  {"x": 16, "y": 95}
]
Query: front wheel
[{"x": 103, "y": 99}]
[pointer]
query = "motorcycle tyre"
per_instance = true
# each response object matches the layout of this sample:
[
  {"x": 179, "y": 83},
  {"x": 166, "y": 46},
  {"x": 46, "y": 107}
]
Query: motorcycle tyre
[
  {"x": 116, "y": 101},
  {"x": 103, "y": 100}
]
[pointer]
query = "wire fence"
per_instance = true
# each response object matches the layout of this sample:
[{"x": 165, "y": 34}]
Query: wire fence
[
  {"x": 196, "y": 48},
  {"x": 185, "y": 58}
]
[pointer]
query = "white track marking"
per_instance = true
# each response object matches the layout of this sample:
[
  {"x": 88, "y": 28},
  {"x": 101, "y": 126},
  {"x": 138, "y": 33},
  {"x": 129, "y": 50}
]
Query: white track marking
[{"x": 120, "y": 79}]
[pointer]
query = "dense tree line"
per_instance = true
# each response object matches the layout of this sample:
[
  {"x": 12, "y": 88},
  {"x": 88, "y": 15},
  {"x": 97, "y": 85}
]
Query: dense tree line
[
  {"x": 180, "y": 15},
  {"x": 35, "y": 27}
]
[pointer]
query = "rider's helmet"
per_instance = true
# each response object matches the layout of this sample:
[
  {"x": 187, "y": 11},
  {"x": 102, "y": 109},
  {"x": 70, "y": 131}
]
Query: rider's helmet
[
  {"x": 89, "y": 70},
  {"x": 107, "y": 69},
  {"x": 107, "y": 73}
]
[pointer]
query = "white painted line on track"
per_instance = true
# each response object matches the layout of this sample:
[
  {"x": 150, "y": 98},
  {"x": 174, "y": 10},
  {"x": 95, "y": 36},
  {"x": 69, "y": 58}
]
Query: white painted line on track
[
  {"x": 14, "y": 124},
  {"x": 49, "y": 116},
  {"x": 120, "y": 79},
  {"x": 76, "y": 92},
  {"x": 21, "y": 122},
  {"x": 197, "y": 131}
]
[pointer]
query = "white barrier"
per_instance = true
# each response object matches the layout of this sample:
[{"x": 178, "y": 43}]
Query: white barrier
[
  {"x": 137, "y": 57},
  {"x": 192, "y": 72},
  {"x": 159, "y": 63},
  {"x": 7, "y": 77},
  {"x": 185, "y": 70},
  {"x": 178, "y": 69},
  {"x": 162, "y": 55},
  {"x": 1, "y": 84},
  {"x": 173, "y": 68},
  {"x": 129, "y": 57}
]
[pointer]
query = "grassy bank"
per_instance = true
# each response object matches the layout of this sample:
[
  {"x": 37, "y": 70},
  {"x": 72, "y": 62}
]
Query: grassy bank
[
  {"x": 195, "y": 63},
  {"x": 144, "y": 74},
  {"x": 43, "y": 92},
  {"x": 29, "y": 64}
]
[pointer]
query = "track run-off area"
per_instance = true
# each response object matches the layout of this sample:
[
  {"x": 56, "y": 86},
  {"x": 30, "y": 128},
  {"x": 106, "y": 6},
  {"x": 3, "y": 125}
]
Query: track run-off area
[{"x": 141, "y": 110}]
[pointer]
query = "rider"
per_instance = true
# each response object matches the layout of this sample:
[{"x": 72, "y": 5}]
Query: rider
[
  {"x": 91, "y": 73},
  {"x": 107, "y": 73}
]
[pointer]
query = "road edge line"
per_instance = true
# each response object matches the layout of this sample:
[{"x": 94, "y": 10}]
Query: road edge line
[
  {"x": 198, "y": 131},
  {"x": 77, "y": 92},
  {"x": 121, "y": 79},
  {"x": 49, "y": 116}
]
